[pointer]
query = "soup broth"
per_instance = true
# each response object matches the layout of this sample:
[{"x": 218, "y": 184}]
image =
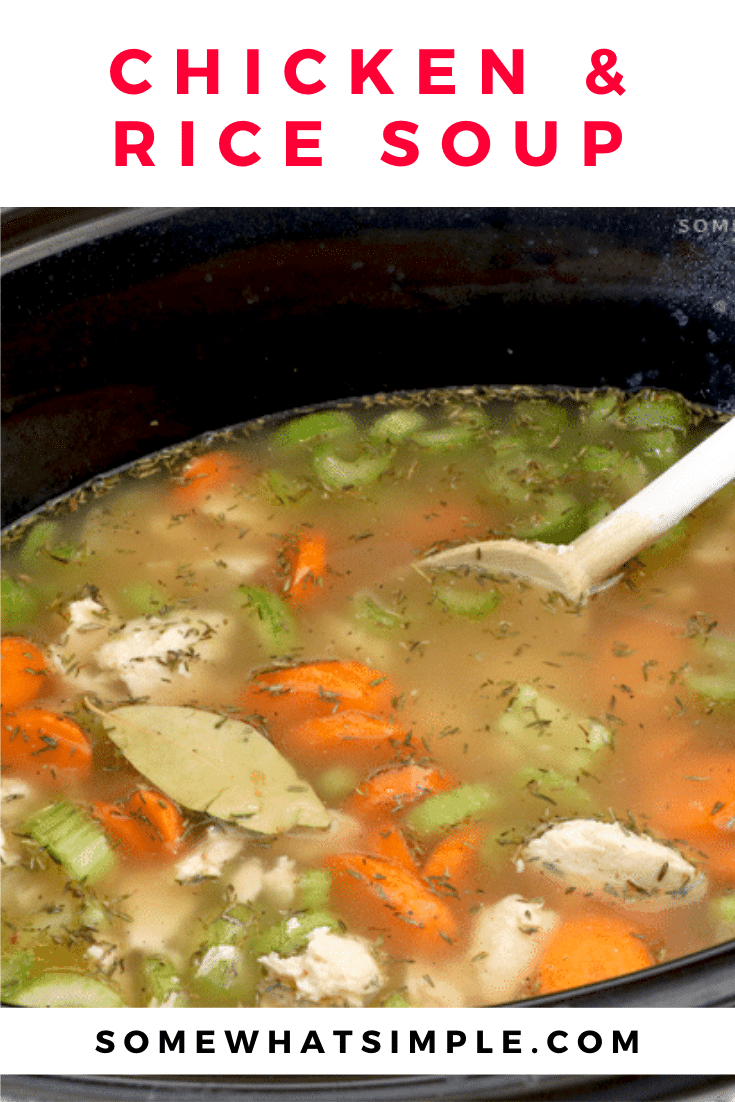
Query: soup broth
[{"x": 254, "y": 752}]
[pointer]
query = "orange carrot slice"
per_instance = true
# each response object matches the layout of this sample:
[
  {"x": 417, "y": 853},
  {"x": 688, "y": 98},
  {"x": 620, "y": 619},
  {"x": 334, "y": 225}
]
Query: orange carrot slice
[
  {"x": 591, "y": 947},
  {"x": 42, "y": 744},
  {"x": 306, "y": 557},
  {"x": 351, "y": 737},
  {"x": 451, "y": 864},
  {"x": 388, "y": 840},
  {"x": 24, "y": 671},
  {"x": 203, "y": 474},
  {"x": 296, "y": 693},
  {"x": 147, "y": 825},
  {"x": 398, "y": 788},
  {"x": 379, "y": 897}
]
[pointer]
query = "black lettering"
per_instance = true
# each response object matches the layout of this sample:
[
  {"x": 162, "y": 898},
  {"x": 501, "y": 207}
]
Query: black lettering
[
  {"x": 621, "y": 1044},
  {"x": 394, "y": 1040},
  {"x": 129, "y": 1041},
  {"x": 415, "y": 1041},
  {"x": 481, "y": 1043},
  {"x": 170, "y": 1044},
  {"x": 455, "y": 1039},
  {"x": 342, "y": 1034},
  {"x": 105, "y": 1042},
  {"x": 312, "y": 1043},
  {"x": 205, "y": 1037},
  {"x": 551, "y": 1041},
  {"x": 273, "y": 1040},
  {"x": 371, "y": 1042},
  {"x": 511, "y": 1040},
  {"x": 242, "y": 1039},
  {"x": 596, "y": 1044}
]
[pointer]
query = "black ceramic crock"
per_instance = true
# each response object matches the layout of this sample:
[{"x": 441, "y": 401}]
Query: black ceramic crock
[{"x": 125, "y": 331}]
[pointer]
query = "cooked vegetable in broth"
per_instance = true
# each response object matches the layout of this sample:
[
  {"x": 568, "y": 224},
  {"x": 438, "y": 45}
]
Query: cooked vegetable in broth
[{"x": 254, "y": 754}]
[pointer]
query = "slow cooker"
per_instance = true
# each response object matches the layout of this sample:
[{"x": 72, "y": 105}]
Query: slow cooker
[{"x": 129, "y": 330}]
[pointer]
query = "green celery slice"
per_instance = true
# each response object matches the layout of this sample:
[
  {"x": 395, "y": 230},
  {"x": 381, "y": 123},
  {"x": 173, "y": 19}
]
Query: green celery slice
[
  {"x": 656, "y": 410},
  {"x": 326, "y": 425},
  {"x": 292, "y": 933},
  {"x": 67, "y": 989},
  {"x": 313, "y": 888},
  {"x": 162, "y": 984},
  {"x": 19, "y": 604},
  {"x": 448, "y": 809},
  {"x": 469, "y": 604},
  {"x": 274, "y": 622},
  {"x": 337, "y": 473},
  {"x": 716, "y": 682},
  {"x": 397, "y": 425},
  {"x": 73, "y": 839}
]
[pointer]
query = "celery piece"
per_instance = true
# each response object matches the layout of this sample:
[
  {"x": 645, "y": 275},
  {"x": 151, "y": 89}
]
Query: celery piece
[
  {"x": 336, "y": 783},
  {"x": 541, "y": 733},
  {"x": 630, "y": 476},
  {"x": 93, "y": 915},
  {"x": 327, "y": 424},
  {"x": 291, "y": 934},
  {"x": 541, "y": 417},
  {"x": 559, "y": 518},
  {"x": 469, "y": 604},
  {"x": 285, "y": 488},
  {"x": 337, "y": 473},
  {"x": 596, "y": 511},
  {"x": 448, "y": 809},
  {"x": 472, "y": 416},
  {"x": 375, "y": 617},
  {"x": 16, "y": 969},
  {"x": 223, "y": 963},
  {"x": 712, "y": 675},
  {"x": 312, "y": 890},
  {"x": 39, "y": 538},
  {"x": 659, "y": 447},
  {"x": 597, "y": 458},
  {"x": 601, "y": 407},
  {"x": 445, "y": 438},
  {"x": 511, "y": 452},
  {"x": 143, "y": 598},
  {"x": 275, "y": 625},
  {"x": 73, "y": 839},
  {"x": 652, "y": 409},
  {"x": 162, "y": 984},
  {"x": 19, "y": 604},
  {"x": 67, "y": 989},
  {"x": 558, "y": 789},
  {"x": 397, "y": 425},
  {"x": 396, "y": 1000},
  {"x": 722, "y": 910}
]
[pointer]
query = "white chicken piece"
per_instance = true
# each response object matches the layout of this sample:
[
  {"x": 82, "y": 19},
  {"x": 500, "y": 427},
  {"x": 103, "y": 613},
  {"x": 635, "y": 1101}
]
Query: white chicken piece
[
  {"x": 333, "y": 967},
  {"x": 506, "y": 940},
  {"x": 505, "y": 943},
  {"x": 615, "y": 864},
  {"x": 218, "y": 847},
  {"x": 279, "y": 884}
]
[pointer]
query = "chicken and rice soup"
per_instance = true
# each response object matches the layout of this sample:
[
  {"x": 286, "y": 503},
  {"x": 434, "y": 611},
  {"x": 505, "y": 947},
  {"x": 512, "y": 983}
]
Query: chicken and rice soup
[{"x": 253, "y": 754}]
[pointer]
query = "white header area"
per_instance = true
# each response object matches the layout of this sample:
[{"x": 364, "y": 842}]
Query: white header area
[
  {"x": 642, "y": 91},
  {"x": 369, "y": 1042}
]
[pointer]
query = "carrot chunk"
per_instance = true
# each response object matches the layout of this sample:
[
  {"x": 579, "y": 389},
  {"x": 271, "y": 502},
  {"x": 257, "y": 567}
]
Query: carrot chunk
[
  {"x": 43, "y": 744},
  {"x": 398, "y": 788},
  {"x": 203, "y": 474},
  {"x": 351, "y": 737},
  {"x": 382, "y": 898},
  {"x": 306, "y": 558},
  {"x": 451, "y": 864},
  {"x": 24, "y": 671},
  {"x": 588, "y": 948},
  {"x": 388, "y": 840},
  {"x": 147, "y": 825},
  {"x": 296, "y": 693}
]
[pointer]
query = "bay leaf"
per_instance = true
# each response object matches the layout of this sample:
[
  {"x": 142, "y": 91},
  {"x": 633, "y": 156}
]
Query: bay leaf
[{"x": 218, "y": 765}]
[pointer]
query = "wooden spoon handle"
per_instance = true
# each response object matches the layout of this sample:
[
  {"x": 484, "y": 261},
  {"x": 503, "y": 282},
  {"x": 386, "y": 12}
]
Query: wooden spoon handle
[{"x": 658, "y": 507}]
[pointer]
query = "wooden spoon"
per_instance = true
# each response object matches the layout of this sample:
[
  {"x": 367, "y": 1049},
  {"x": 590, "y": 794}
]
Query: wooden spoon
[{"x": 583, "y": 567}]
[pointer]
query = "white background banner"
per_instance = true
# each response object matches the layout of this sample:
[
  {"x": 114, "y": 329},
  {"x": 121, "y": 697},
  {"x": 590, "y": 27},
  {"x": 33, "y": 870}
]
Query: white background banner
[
  {"x": 306, "y": 104},
  {"x": 370, "y": 1042}
]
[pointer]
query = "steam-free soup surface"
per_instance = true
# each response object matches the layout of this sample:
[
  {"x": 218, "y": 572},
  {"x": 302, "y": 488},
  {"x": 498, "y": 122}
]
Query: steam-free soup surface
[{"x": 254, "y": 754}]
